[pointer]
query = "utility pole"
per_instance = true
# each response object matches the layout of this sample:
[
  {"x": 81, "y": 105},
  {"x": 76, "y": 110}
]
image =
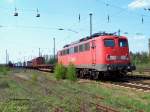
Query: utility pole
[
  {"x": 119, "y": 32},
  {"x": 54, "y": 49},
  {"x": 90, "y": 24},
  {"x": 6, "y": 57},
  {"x": 149, "y": 46},
  {"x": 39, "y": 52}
]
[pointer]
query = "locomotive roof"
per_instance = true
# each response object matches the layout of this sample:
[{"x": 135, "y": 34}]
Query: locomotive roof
[{"x": 90, "y": 37}]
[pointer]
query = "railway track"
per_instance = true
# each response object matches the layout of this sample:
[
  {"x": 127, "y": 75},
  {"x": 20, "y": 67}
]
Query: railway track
[
  {"x": 133, "y": 82},
  {"x": 144, "y": 70},
  {"x": 135, "y": 86},
  {"x": 103, "y": 108}
]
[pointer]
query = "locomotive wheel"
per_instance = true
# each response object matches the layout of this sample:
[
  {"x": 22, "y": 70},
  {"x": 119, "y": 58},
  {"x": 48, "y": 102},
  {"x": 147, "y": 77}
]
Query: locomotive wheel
[
  {"x": 91, "y": 75},
  {"x": 101, "y": 75},
  {"x": 122, "y": 74},
  {"x": 96, "y": 75},
  {"x": 81, "y": 74},
  {"x": 78, "y": 73}
]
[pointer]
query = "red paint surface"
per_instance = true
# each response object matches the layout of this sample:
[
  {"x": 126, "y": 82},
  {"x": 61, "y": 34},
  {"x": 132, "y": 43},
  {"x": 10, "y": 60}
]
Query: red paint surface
[{"x": 98, "y": 55}]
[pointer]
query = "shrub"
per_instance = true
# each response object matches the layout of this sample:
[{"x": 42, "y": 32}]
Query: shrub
[
  {"x": 59, "y": 71},
  {"x": 71, "y": 72}
]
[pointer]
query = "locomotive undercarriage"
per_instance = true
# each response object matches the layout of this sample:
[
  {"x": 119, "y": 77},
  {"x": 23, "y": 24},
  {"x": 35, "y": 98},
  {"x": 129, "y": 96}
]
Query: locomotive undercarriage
[
  {"x": 97, "y": 75},
  {"x": 110, "y": 71}
]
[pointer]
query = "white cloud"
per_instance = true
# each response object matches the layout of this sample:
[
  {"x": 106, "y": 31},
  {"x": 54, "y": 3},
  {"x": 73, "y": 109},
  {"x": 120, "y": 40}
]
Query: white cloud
[{"x": 139, "y": 4}]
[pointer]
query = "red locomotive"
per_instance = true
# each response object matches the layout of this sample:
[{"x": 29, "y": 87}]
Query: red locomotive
[
  {"x": 38, "y": 61},
  {"x": 100, "y": 54}
]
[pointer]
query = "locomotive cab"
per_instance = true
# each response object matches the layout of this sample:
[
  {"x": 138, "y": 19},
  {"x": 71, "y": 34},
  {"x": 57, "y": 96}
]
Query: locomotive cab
[{"x": 116, "y": 51}]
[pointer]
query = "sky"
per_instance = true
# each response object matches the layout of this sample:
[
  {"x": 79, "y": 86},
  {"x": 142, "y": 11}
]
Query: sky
[{"x": 23, "y": 35}]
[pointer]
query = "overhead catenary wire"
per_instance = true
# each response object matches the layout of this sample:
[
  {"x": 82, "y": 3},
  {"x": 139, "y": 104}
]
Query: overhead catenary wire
[
  {"x": 107, "y": 4},
  {"x": 121, "y": 10},
  {"x": 103, "y": 2}
]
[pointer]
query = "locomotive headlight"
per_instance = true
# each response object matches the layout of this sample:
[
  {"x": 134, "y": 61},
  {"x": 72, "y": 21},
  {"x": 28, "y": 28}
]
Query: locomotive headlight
[
  {"x": 127, "y": 57},
  {"x": 113, "y": 57},
  {"x": 108, "y": 57}
]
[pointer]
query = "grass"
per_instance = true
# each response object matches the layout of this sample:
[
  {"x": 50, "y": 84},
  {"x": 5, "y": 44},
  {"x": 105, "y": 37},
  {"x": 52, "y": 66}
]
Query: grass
[
  {"x": 146, "y": 65},
  {"x": 140, "y": 69},
  {"x": 4, "y": 70},
  {"x": 48, "y": 94},
  {"x": 34, "y": 77}
]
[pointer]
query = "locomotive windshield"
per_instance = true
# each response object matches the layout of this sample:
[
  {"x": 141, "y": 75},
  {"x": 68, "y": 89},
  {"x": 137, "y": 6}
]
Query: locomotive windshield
[
  {"x": 123, "y": 43},
  {"x": 109, "y": 43}
]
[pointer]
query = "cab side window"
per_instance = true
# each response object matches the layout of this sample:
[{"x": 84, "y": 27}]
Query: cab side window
[
  {"x": 71, "y": 50},
  {"x": 81, "y": 48},
  {"x": 123, "y": 43},
  {"x": 87, "y": 46},
  {"x": 76, "y": 49}
]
